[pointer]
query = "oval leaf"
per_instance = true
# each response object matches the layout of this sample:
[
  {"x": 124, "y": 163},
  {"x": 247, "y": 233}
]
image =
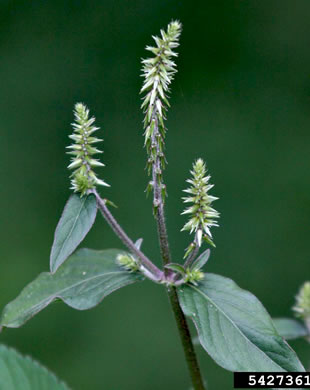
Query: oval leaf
[
  {"x": 234, "y": 327},
  {"x": 77, "y": 218},
  {"x": 18, "y": 372},
  {"x": 289, "y": 328},
  {"x": 82, "y": 282}
]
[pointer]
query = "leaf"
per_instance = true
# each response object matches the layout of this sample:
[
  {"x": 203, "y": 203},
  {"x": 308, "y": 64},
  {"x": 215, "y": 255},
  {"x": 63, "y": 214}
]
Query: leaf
[
  {"x": 18, "y": 372},
  {"x": 77, "y": 218},
  {"x": 81, "y": 282},
  {"x": 176, "y": 267},
  {"x": 138, "y": 243},
  {"x": 289, "y": 328},
  {"x": 234, "y": 327},
  {"x": 201, "y": 261}
]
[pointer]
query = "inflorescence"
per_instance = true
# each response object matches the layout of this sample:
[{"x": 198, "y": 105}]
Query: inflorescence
[
  {"x": 158, "y": 73},
  {"x": 302, "y": 306},
  {"x": 83, "y": 178},
  {"x": 203, "y": 216},
  {"x": 128, "y": 262},
  {"x": 193, "y": 276}
]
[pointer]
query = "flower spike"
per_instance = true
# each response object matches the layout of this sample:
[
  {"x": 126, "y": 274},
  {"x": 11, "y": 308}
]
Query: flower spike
[
  {"x": 83, "y": 178},
  {"x": 302, "y": 306},
  {"x": 158, "y": 73},
  {"x": 203, "y": 216}
]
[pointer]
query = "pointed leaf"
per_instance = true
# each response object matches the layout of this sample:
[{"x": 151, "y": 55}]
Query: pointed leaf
[
  {"x": 201, "y": 261},
  {"x": 77, "y": 218},
  {"x": 234, "y": 327},
  {"x": 19, "y": 372},
  {"x": 81, "y": 282},
  {"x": 138, "y": 243},
  {"x": 290, "y": 329},
  {"x": 176, "y": 267}
]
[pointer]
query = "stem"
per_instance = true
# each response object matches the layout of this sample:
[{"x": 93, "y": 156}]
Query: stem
[
  {"x": 182, "y": 325},
  {"x": 155, "y": 273},
  {"x": 158, "y": 202},
  {"x": 163, "y": 236},
  {"x": 191, "y": 256},
  {"x": 186, "y": 339}
]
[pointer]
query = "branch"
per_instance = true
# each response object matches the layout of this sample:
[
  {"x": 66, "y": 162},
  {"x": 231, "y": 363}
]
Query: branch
[{"x": 149, "y": 268}]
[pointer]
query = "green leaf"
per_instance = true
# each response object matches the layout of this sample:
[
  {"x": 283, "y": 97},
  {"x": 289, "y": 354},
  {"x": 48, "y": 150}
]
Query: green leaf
[
  {"x": 18, "y": 372},
  {"x": 77, "y": 218},
  {"x": 201, "y": 261},
  {"x": 234, "y": 327},
  {"x": 290, "y": 329},
  {"x": 81, "y": 282},
  {"x": 176, "y": 267}
]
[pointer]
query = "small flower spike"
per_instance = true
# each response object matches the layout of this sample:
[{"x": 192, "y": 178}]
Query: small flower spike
[
  {"x": 302, "y": 306},
  {"x": 128, "y": 262},
  {"x": 203, "y": 216},
  {"x": 158, "y": 73},
  {"x": 83, "y": 178},
  {"x": 193, "y": 276}
]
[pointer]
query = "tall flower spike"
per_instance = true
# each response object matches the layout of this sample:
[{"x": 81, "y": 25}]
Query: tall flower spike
[
  {"x": 302, "y": 306},
  {"x": 83, "y": 177},
  {"x": 203, "y": 216},
  {"x": 158, "y": 73}
]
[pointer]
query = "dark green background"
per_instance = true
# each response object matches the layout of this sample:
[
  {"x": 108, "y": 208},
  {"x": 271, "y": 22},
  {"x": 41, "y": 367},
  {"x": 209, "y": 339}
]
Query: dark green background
[{"x": 240, "y": 101}]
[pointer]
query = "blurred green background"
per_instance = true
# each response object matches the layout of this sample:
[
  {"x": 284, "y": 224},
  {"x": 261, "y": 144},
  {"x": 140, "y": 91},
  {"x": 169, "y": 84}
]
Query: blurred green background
[{"x": 240, "y": 101}]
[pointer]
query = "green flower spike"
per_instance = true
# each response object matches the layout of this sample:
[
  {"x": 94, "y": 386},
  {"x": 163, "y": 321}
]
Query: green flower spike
[
  {"x": 128, "y": 262},
  {"x": 203, "y": 216},
  {"x": 302, "y": 306},
  {"x": 158, "y": 73},
  {"x": 83, "y": 178},
  {"x": 193, "y": 276}
]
